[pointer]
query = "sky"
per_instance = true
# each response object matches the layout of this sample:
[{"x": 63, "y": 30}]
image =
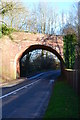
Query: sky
[
  {"x": 50, "y": 0},
  {"x": 61, "y": 4}
]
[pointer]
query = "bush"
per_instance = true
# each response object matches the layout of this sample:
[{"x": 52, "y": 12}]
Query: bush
[
  {"x": 0, "y": 32},
  {"x": 5, "y": 30}
]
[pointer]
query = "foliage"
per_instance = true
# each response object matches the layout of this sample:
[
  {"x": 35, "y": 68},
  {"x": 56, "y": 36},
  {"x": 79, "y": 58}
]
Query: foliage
[
  {"x": 44, "y": 63},
  {"x": 6, "y": 30},
  {"x": 0, "y": 32},
  {"x": 69, "y": 50}
]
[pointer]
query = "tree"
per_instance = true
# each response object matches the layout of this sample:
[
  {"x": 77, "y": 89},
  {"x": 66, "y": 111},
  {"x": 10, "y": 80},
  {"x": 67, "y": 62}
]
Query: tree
[
  {"x": 13, "y": 13},
  {"x": 69, "y": 29},
  {"x": 42, "y": 19},
  {"x": 25, "y": 65},
  {"x": 31, "y": 64}
]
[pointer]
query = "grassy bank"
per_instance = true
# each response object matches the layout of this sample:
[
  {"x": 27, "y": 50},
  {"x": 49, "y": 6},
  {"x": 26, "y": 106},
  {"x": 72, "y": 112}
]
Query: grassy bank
[{"x": 64, "y": 102}]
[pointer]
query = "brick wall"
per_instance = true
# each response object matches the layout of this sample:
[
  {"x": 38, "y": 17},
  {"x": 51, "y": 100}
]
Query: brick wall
[{"x": 11, "y": 50}]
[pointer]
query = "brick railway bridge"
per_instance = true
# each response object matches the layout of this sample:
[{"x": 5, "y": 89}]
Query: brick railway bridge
[{"x": 11, "y": 51}]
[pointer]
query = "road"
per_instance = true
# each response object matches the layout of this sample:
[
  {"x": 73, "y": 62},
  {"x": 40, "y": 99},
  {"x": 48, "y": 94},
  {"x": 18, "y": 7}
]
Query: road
[{"x": 29, "y": 99}]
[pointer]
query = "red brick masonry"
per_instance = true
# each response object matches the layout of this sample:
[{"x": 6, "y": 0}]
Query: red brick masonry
[{"x": 12, "y": 50}]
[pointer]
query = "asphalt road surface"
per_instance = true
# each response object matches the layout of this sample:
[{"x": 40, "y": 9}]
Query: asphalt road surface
[{"x": 29, "y": 99}]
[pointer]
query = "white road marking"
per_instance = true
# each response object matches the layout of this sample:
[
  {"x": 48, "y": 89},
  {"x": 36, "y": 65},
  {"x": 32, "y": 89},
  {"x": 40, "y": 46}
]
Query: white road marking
[
  {"x": 51, "y": 81},
  {"x": 35, "y": 76},
  {"x": 25, "y": 86},
  {"x": 14, "y": 92}
]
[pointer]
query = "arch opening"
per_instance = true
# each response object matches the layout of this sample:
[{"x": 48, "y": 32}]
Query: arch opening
[{"x": 37, "y": 47}]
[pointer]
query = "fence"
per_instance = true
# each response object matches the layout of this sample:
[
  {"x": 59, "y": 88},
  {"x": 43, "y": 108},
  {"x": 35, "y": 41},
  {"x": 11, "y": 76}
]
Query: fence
[{"x": 73, "y": 78}]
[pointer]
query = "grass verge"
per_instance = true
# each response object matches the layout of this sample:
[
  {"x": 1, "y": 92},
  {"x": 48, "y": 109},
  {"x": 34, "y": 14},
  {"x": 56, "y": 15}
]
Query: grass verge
[{"x": 64, "y": 102}]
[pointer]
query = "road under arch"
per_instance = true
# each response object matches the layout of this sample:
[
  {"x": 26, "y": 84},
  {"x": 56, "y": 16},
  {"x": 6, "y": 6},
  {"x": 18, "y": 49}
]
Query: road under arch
[{"x": 35, "y": 47}]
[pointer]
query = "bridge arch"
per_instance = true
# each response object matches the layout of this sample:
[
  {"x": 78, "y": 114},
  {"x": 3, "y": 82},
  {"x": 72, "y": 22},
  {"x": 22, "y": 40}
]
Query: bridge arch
[{"x": 34, "y": 47}]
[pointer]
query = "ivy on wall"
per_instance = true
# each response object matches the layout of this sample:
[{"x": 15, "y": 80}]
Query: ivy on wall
[{"x": 69, "y": 50}]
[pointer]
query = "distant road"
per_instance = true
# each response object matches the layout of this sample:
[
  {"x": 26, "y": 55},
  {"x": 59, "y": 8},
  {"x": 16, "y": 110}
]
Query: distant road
[{"x": 29, "y": 99}]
